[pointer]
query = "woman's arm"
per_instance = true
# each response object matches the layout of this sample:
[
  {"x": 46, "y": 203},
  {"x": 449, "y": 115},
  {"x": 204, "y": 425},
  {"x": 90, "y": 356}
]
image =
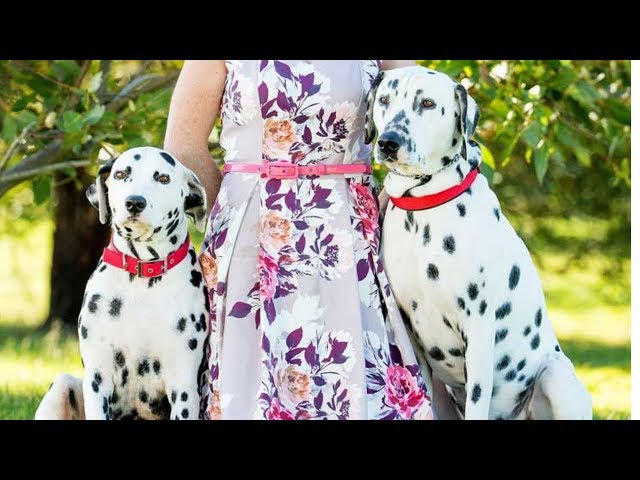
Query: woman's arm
[
  {"x": 389, "y": 64},
  {"x": 192, "y": 114}
]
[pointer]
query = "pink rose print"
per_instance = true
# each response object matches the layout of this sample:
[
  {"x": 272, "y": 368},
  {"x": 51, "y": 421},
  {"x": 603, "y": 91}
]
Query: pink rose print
[
  {"x": 279, "y": 135},
  {"x": 275, "y": 231},
  {"x": 268, "y": 275},
  {"x": 403, "y": 393},
  {"x": 278, "y": 412},
  {"x": 367, "y": 206}
]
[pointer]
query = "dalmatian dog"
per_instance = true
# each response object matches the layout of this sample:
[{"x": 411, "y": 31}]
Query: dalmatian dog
[
  {"x": 464, "y": 280},
  {"x": 143, "y": 323}
]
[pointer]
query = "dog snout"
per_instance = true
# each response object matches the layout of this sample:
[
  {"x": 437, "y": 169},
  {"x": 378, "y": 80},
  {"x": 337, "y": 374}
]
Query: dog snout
[
  {"x": 389, "y": 143},
  {"x": 135, "y": 204}
]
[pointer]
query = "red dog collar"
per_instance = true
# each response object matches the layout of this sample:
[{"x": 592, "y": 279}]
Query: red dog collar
[
  {"x": 154, "y": 268},
  {"x": 429, "y": 201}
]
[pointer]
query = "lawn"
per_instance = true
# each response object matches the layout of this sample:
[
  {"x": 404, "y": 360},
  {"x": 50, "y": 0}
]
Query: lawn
[{"x": 588, "y": 296}]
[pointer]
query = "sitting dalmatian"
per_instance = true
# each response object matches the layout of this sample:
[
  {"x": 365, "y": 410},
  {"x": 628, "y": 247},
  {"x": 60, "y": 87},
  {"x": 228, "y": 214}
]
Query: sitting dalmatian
[
  {"x": 143, "y": 323},
  {"x": 464, "y": 280}
]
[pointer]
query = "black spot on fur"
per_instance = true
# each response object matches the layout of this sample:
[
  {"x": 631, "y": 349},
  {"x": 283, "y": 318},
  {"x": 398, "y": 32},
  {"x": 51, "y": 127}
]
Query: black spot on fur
[
  {"x": 137, "y": 156},
  {"x": 119, "y": 359},
  {"x": 504, "y": 362},
  {"x": 105, "y": 405},
  {"x": 501, "y": 335},
  {"x": 450, "y": 365},
  {"x": 124, "y": 376},
  {"x": 115, "y": 306},
  {"x": 447, "y": 322},
  {"x": 514, "y": 277},
  {"x": 184, "y": 413},
  {"x": 72, "y": 400},
  {"x": 432, "y": 272},
  {"x": 184, "y": 397},
  {"x": 446, "y": 161},
  {"x": 193, "y": 343},
  {"x": 154, "y": 254},
  {"x": 462, "y": 210},
  {"x": 414, "y": 305},
  {"x": 472, "y": 290},
  {"x": 483, "y": 307},
  {"x": 557, "y": 348},
  {"x": 454, "y": 142},
  {"x": 476, "y": 393},
  {"x": 93, "y": 303},
  {"x": 426, "y": 234},
  {"x": 468, "y": 312},
  {"x": 103, "y": 268},
  {"x": 153, "y": 280},
  {"x": 95, "y": 386},
  {"x": 529, "y": 381},
  {"x": 538, "y": 319},
  {"x": 84, "y": 332},
  {"x": 459, "y": 172},
  {"x": 535, "y": 342},
  {"x": 196, "y": 278},
  {"x": 494, "y": 391},
  {"x": 156, "y": 367},
  {"x": 455, "y": 352},
  {"x": 510, "y": 376},
  {"x": 143, "y": 396},
  {"x": 206, "y": 297},
  {"x": 503, "y": 310},
  {"x": 449, "y": 244},
  {"x": 174, "y": 396},
  {"x": 527, "y": 330},
  {"x": 182, "y": 324},
  {"x": 436, "y": 353},
  {"x": 115, "y": 397},
  {"x": 521, "y": 364},
  {"x": 461, "y": 303},
  {"x": 157, "y": 229},
  {"x": 496, "y": 212},
  {"x": 169, "y": 159},
  {"x": 521, "y": 378},
  {"x": 192, "y": 254},
  {"x": 143, "y": 367}
]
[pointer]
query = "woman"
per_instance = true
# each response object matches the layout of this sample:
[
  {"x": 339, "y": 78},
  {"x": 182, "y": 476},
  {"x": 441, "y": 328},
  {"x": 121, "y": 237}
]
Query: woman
[{"x": 303, "y": 322}]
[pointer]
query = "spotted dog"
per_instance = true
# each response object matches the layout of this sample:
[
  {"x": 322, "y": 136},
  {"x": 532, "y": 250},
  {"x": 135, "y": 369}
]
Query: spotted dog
[
  {"x": 463, "y": 278},
  {"x": 142, "y": 335}
]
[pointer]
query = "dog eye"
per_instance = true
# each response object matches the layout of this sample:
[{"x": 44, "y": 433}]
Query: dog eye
[
  {"x": 384, "y": 100},
  {"x": 164, "y": 178},
  {"x": 120, "y": 175},
  {"x": 428, "y": 103}
]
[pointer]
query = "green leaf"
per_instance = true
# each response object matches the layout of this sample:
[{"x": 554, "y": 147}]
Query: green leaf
[
  {"x": 583, "y": 156},
  {"x": 532, "y": 134},
  {"x": 71, "y": 122},
  {"x": 9, "y": 129},
  {"x": 487, "y": 157},
  {"x": 70, "y": 171},
  {"x": 22, "y": 102},
  {"x": 24, "y": 118},
  {"x": 619, "y": 111},
  {"x": 564, "y": 78},
  {"x": 95, "y": 82},
  {"x": 65, "y": 70},
  {"x": 94, "y": 115},
  {"x": 41, "y": 189},
  {"x": 541, "y": 162}
]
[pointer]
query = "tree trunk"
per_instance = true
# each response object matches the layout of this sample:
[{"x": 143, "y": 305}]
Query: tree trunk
[{"x": 78, "y": 241}]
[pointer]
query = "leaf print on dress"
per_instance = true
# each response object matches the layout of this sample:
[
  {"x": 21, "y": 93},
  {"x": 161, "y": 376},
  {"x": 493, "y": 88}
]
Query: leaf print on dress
[
  {"x": 306, "y": 369},
  {"x": 236, "y": 106}
]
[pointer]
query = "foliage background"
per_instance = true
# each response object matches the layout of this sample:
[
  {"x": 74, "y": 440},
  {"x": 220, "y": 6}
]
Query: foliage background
[{"x": 556, "y": 145}]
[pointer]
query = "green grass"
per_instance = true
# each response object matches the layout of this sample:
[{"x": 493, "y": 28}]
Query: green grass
[{"x": 588, "y": 295}]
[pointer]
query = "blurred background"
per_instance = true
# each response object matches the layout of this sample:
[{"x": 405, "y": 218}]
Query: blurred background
[{"x": 556, "y": 142}]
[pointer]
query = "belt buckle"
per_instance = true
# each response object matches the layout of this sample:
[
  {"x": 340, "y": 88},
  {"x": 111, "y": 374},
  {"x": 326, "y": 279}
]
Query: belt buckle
[{"x": 280, "y": 169}]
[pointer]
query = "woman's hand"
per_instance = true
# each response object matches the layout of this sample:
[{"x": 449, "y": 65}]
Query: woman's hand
[
  {"x": 192, "y": 114},
  {"x": 391, "y": 64}
]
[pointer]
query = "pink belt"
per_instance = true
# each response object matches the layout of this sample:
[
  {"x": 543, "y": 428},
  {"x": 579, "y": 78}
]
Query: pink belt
[{"x": 292, "y": 170}]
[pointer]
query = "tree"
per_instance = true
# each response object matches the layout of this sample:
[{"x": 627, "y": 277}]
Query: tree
[{"x": 57, "y": 118}]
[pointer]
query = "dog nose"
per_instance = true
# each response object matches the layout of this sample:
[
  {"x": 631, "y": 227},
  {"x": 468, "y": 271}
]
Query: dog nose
[
  {"x": 389, "y": 143},
  {"x": 135, "y": 204}
]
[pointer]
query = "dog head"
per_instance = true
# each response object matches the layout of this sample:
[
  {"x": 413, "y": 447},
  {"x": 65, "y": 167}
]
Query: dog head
[
  {"x": 422, "y": 118},
  {"x": 139, "y": 190}
]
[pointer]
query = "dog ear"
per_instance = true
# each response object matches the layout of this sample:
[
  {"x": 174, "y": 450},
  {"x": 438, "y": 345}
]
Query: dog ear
[
  {"x": 97, "y": 192},
  {"x": 469, "y": 112},
  {"x": 369, "y": 126},
  {"x": 195, "y": 203}
]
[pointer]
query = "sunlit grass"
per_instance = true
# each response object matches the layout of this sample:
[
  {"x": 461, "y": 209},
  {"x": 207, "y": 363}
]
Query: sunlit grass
[{"x": 588, "y": 297}]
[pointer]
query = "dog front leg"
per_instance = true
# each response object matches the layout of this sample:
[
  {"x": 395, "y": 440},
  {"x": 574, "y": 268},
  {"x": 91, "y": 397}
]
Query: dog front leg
[
  {"x": 97, "y": 387},
  {"x": 479, "y": 369}
]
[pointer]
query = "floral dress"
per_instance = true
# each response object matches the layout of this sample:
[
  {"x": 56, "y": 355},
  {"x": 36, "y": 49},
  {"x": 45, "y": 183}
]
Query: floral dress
[{"x": 303, "y": 322}]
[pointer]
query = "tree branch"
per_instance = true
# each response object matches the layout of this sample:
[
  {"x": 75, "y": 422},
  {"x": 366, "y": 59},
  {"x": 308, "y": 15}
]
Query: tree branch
[
  {"x": 25, "y": 174},
  {"x": 43, "y": 157},
  {"x": 131, "y": 91},
  {"x": 16, "y": 141}
]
